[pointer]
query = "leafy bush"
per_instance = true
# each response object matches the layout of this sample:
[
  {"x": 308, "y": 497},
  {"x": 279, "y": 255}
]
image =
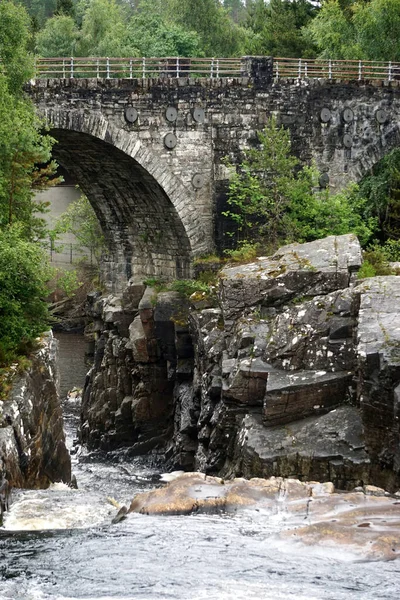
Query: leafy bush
[
  {"x": 375, "y": 262},
  {"x": 272, "y": 201},
  {"x": 246, "y": 252},
  {"x": 23, "y": 276}
]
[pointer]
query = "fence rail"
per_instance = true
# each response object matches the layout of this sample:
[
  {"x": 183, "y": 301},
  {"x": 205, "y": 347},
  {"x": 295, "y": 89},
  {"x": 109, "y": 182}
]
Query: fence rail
[
  {"x": 347, "y": 70},
  {"x": 173, "y": 66},
  {"x": 137, "y": 68}
]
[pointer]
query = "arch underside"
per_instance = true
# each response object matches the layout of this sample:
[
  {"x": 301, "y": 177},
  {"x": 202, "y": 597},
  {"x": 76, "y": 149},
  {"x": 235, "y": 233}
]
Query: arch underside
[{"x": 144, "y": 233}]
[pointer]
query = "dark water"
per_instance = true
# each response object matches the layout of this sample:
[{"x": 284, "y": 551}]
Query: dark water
[{"x": 59, "y": 543}]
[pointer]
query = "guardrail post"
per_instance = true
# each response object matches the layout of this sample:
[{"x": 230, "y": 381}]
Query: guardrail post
[
  {"x": 330, "y": 69},
  {"x": 359, "y": 70},
  {"x": 299, "y": 73},
  {"x": 212, "y": 69},
  {"x": 177, "y": 66},
  {"x": 108, "y": 67},
  {"x": 130, "y": 69},
  {"x": 276, "y": 70},
  {"x": 72, "y": 67},
  {"x": 143, "y": 68},
  {"x": 305, "y": 70},
  {"x": 390, "y": 71},
  {"x": 217, "y": 68},
  {"x": 98, "y": 69}
]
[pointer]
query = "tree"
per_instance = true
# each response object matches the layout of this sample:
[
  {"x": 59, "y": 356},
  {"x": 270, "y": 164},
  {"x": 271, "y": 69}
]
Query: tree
[
  {"x": 104, "y": 31},
  {"x": 25, "y": 164},
  {"x": 23, "y": 276},
  {"x": 381, "y": 189},
  {"x": 58, "y": 37},
  {"x": 272, "y": 201},
  {"x": 219, "y": 35},
  {"x": 150, "y": 31},
  {"x": 80, "y": 219},
  {"x": 15, "y": 63},
  {"x": 65, "y": 7},
  {"x": 278, "y": 27},
  {"x": 41, "y": 10},
  {"x": 361, "y": 30}
]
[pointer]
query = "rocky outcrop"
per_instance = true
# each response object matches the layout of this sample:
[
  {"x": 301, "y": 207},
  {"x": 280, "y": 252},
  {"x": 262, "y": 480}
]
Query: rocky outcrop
[
  {"x": 365, "y": 522},
  {"x": 32, "y": 442},
  {"x": 291, "y": 370}
]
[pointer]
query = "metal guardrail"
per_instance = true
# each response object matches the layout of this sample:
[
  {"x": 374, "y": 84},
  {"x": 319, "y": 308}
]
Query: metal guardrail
[
  {"x": 173, "y": 67},
  {"x": 298, "y": 68},
  {"x": 137, "y": 68}
]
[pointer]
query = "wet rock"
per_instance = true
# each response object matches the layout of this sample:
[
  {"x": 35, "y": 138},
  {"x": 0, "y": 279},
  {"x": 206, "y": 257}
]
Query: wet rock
[
  {"x": 378, "y": 354},
  {"x": 33, "y": 453},
  {"x": 363, "y": 526}
]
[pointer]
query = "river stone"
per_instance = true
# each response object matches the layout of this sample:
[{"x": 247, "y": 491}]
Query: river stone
[
  {"x": 310, "y": 269},
  {"x": 365, "y": 526}
]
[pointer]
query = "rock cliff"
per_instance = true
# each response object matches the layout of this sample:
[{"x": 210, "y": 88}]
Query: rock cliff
[
  {"x": 292, "y": 370},
  {"x": 32, "y": 443}
]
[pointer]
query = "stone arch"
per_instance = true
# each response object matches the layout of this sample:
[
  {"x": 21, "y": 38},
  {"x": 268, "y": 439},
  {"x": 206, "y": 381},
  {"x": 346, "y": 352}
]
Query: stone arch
[
  {"x": 375, "y": 150},
  {"x": 150, "y": 224}
]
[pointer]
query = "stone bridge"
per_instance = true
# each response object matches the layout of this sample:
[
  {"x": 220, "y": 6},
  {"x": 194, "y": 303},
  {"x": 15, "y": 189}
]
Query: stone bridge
[{"x": 149, "y": 152}]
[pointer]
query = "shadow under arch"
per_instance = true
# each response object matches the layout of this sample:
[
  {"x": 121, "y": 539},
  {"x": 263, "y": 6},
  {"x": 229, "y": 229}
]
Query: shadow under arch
[{"x": 144, "y": 232}]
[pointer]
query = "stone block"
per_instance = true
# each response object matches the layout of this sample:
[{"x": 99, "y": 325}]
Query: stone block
[{"x": 293, "y": 396}]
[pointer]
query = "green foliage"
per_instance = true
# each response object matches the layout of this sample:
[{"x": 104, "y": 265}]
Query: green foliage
[
  {"x": 187, "y": 287},
  {"x": 15, "y": 63},
  {"x": 381, "y": 190},
  {"x": 80, "y": 219},
  {"x": 360, "y": 30},
  {"x": 219, "y": 35},
  {"x": 40, "y": 10},
  {"x": 391, "y": 249},
  {"x": 272, "y": 200},
  {"x": 58, "y": 37},
  {"x": 278, "y": 28},
  {"x": 375, "y": 262},
  {"x": 149, "y": 31},
  {"x": 67, "y": 282},
  {"x": 23, "y": 276},
  {"x": 104, "y": 31},
  {"x": 245, "y": 252},
  {"x": 22, "y": 148}
]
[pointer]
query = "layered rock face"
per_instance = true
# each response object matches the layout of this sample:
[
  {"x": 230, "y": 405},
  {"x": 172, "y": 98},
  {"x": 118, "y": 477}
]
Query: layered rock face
[
  {"x": 33, "y": 453},
  {"x": 282, "y": 374}
]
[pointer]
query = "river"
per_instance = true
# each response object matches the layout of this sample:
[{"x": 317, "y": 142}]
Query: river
[{"x": 60, "y": 544}]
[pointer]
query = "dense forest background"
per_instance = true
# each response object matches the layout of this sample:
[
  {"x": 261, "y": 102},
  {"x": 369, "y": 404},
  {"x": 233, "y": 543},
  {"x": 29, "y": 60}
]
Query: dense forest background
[{"x": 340, "y": 29}]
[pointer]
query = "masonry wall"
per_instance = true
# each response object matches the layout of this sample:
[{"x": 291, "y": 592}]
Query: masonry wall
[{"x": 172, "y": 136}]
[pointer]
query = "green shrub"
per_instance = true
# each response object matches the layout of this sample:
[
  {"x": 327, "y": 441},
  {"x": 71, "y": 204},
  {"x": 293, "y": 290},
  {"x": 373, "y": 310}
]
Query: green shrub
[
  {"x": 23, "y": 311},
  {"x": 375, "y": 262},
  {"x": 246, "y": 252}
]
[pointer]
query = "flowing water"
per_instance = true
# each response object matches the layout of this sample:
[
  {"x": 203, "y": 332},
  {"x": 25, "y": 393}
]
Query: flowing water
[{"x": 60, "y": 544}]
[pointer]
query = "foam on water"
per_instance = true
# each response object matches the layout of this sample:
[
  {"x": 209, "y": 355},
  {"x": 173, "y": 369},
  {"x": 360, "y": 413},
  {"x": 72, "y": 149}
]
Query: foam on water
[{"x": 58, "y": 507}]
